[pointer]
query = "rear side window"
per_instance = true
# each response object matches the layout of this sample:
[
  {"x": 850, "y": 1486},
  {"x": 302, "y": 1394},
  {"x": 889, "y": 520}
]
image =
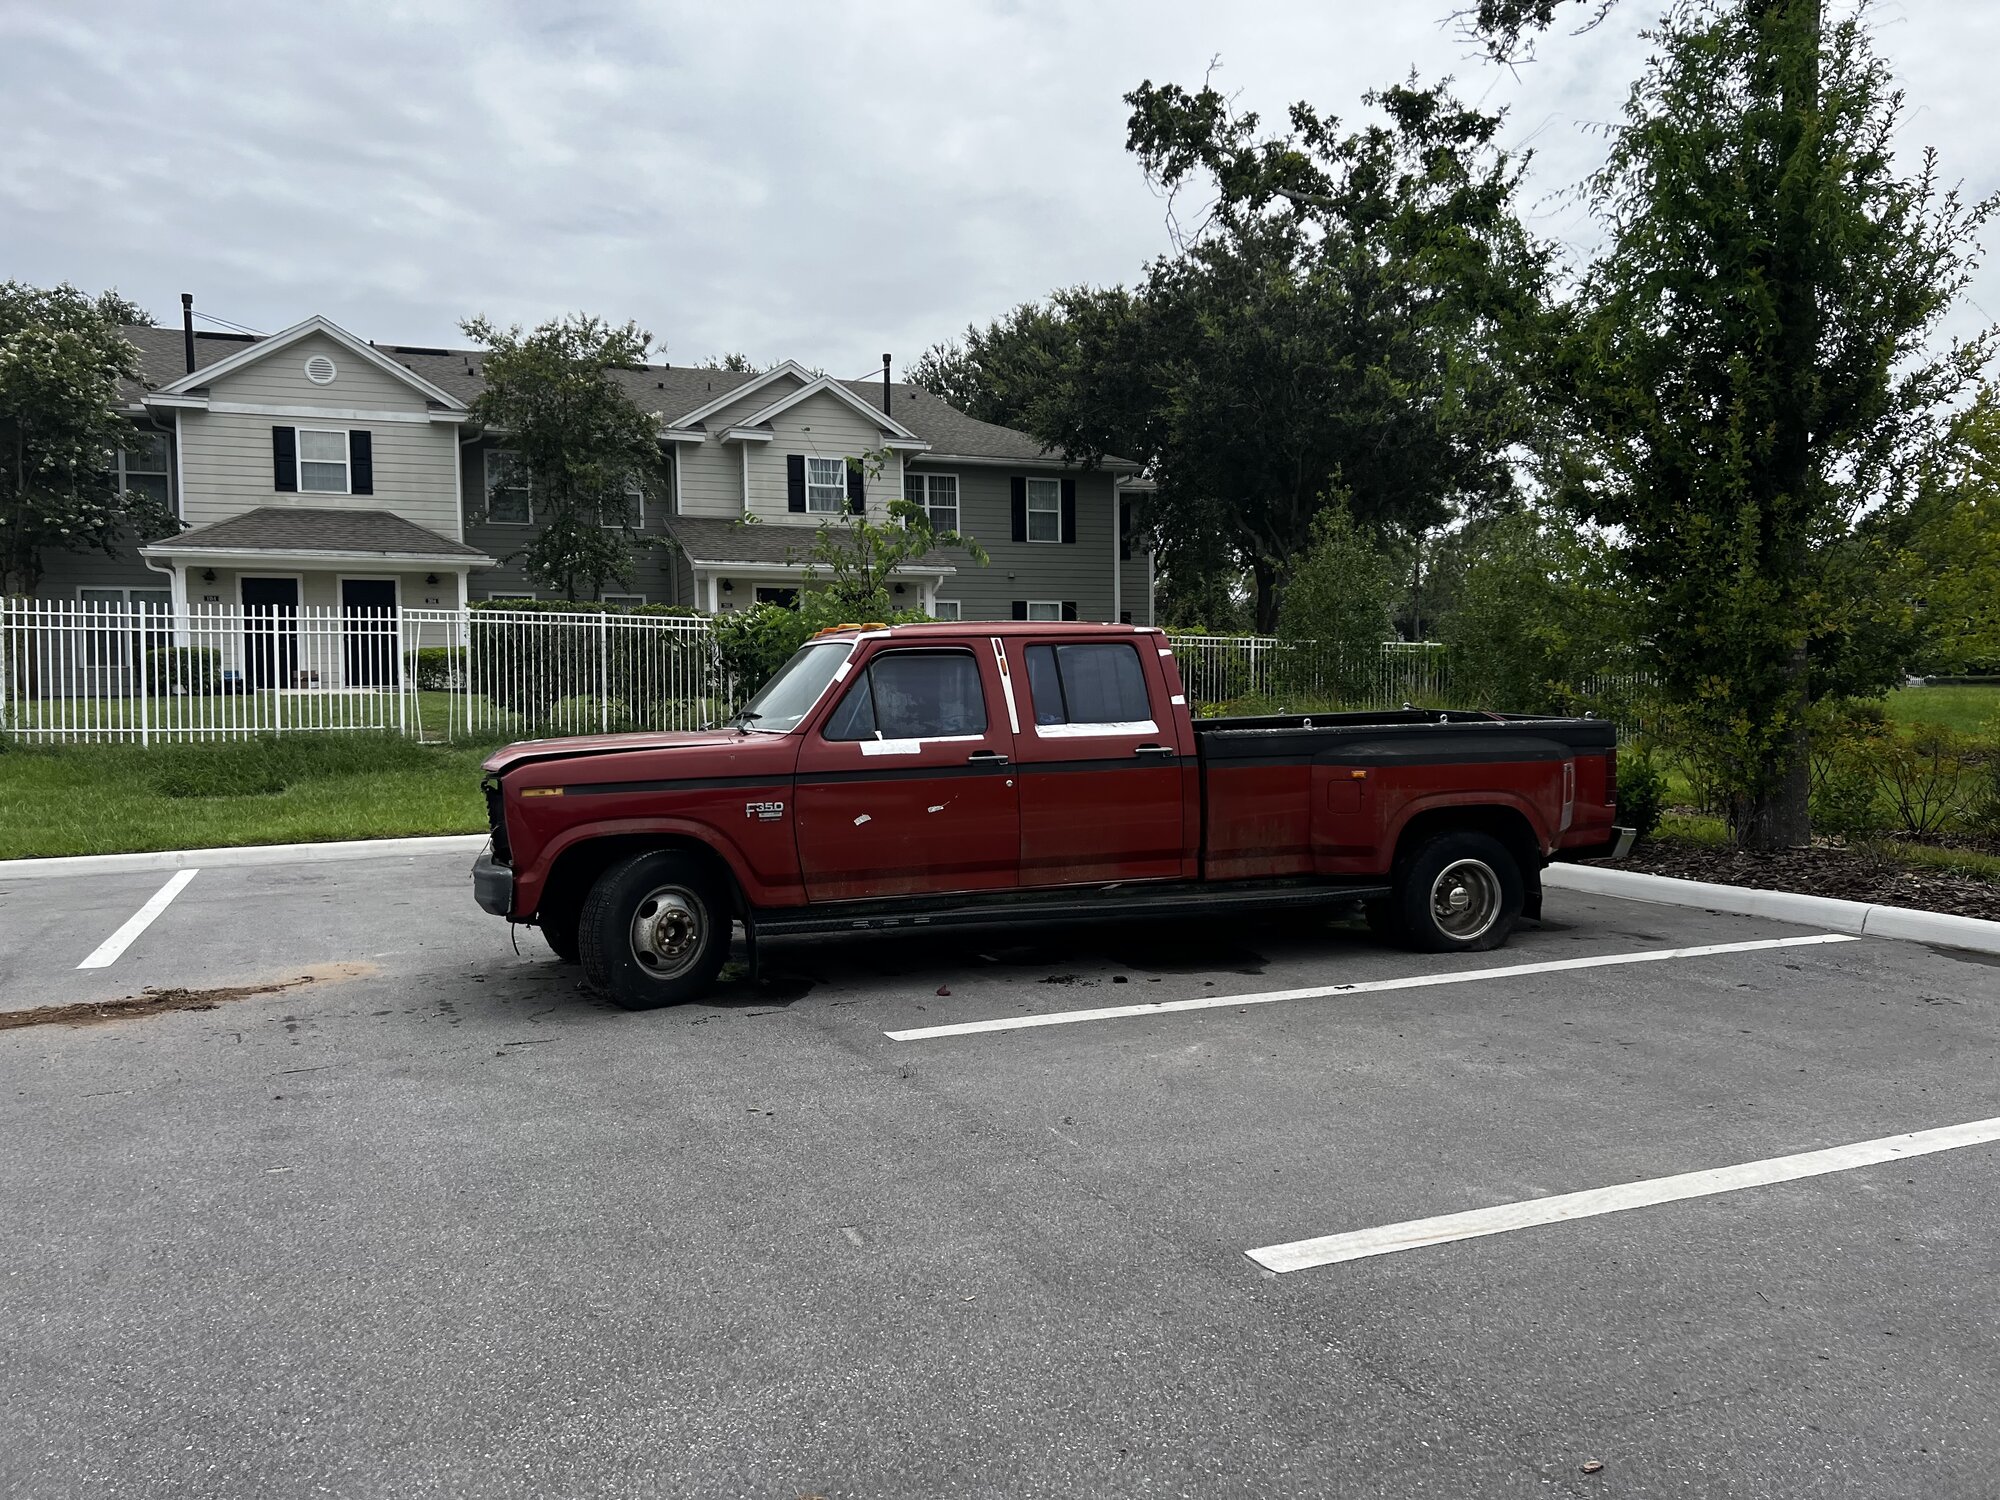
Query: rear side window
[
  {"x": 912, "y": 695},
  {"x": 1099, "y": 684}
]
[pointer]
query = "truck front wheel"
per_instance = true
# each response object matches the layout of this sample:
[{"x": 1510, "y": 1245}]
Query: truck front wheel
[
  {"x": 654, "y": 931},
  {"x": 1460, "y": 892}
]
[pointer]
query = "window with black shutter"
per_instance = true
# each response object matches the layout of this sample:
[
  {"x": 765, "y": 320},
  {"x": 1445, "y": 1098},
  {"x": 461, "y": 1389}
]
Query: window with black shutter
[
  {"x": 361, "y": 462},
  {"x": 285, "y": 458},
  {"x": 795, "y": 482}
]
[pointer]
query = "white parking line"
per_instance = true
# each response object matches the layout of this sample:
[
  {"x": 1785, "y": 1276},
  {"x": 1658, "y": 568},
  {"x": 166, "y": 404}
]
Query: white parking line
[
  {"x": 105, "y": 954},
  {"x": 1367, "y": 986},
  {"x": 1362, "y": 1243}
]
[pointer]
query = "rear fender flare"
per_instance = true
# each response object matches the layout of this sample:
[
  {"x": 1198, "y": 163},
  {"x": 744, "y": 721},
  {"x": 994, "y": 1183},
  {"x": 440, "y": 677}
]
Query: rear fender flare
[{"x": 1445, "y": 802}]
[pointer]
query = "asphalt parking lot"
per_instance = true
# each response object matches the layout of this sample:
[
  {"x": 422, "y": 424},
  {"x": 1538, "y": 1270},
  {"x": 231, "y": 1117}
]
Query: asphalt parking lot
[{"x": 430, "y": 1220}]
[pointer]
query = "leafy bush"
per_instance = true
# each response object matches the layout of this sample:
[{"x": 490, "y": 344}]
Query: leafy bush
[
  {"x": 438, "y": 668},
  {"x": 1336, "y": 612},
  {"x": 1925, "y": 773},
  {"x": 1538, "y": 621},
  {"x": 184, "y": 671},
  {"x": 1642, "y": 792},
  {"x": 753, "y": 643},
  {"x": 1847, "y": 802}
]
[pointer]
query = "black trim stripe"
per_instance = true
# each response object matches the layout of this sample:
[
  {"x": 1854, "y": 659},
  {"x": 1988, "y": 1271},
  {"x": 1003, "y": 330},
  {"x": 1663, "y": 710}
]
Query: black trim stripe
[{"x": 887, "y": 773}]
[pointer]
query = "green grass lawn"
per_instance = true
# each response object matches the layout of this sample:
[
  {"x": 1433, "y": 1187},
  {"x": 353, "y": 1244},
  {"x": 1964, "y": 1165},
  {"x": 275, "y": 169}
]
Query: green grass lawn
[
  {"x": 102, "y": 799},
  {"x": 1968, "y": 709}
]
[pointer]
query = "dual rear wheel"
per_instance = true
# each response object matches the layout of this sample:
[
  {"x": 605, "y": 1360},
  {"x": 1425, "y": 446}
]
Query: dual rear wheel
[{"x": 1457, "y": 893}]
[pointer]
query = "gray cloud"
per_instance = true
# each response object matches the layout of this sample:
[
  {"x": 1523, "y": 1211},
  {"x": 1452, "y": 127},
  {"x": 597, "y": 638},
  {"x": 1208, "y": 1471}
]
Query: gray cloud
[{"x": 822, "y": 181}]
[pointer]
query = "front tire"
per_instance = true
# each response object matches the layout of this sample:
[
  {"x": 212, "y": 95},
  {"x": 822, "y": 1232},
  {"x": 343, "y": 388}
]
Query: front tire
[
  {"x": 1459, "y": 893},
  {"x": 654, "y": 931},
  {"x": 559, "y": 930}
]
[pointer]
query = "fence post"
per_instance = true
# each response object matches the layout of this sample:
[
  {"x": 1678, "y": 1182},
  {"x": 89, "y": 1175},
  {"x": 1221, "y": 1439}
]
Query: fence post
[
  {"x": 145, "y": 691},
  {"x": 604, "y": 673}
]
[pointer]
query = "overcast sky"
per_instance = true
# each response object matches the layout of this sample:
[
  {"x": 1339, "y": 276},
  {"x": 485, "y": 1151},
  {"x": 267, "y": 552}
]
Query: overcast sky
[{"x": 819, "y": 181}]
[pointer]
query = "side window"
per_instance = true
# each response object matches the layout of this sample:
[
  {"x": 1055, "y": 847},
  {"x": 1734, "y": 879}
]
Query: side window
[
  {"x": 1099, "y": 685},
  {"x": 912, "y": 695}
]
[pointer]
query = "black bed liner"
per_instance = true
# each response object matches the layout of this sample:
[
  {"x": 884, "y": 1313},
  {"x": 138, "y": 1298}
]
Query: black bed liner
[{"x": 1406, "y": 737}]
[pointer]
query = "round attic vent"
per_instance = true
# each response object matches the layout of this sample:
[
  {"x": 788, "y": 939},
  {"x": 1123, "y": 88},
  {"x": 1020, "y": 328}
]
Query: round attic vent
[{"x": 320, "y": 370}]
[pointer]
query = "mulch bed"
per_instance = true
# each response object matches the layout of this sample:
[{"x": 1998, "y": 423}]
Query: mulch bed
[{"x": 1823, "y": 870}]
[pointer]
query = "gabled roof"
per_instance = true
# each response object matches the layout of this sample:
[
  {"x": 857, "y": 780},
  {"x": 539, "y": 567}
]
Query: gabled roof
[
  {"x": 750, "y": 387},
  {"x": 827, "y": 385},
  {"x": 251, "y": 354},
  {"x": 304, "y": 529},
  {"x": 661, "y": 389},
  {"x": 714, "y": 542}
]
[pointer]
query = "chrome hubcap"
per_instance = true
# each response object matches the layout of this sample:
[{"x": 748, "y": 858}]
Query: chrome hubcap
[
  {"x": 667, "y": 932},
  {"x": 1465, "y": 899}
]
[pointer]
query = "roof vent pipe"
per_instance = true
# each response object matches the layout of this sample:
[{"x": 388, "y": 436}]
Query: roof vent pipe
[
  {"x": 187, "y": 329},
  {"x": 887, "y": 410}
]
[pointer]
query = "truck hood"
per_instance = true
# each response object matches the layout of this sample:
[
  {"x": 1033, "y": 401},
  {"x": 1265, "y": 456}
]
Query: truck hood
[{"x": 721, "y": 743}]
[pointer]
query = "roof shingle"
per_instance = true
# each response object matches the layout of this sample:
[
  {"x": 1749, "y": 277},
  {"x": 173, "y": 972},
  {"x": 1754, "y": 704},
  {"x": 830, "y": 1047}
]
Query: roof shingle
[{"x": 287, "y": 528}]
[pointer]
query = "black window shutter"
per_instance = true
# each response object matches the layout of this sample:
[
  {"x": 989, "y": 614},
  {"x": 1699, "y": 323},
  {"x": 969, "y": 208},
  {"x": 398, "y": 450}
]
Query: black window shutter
[
  {"x": 1069, "y": 516},
  {"x": 795, "y": 481},
  {"x": 285, "y": 458},
  {"x": 1069, "y": 605},
  {"x": 1020, "y": 515},
  {"x": 857, "y": 489},
  {"x": 1020, "y": 605},
  {"x": 361, "y": 463}
]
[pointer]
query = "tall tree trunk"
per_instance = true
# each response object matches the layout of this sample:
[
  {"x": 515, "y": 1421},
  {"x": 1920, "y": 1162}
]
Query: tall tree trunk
[
  {"x": 1265, "y": 579},
  {"x": 1779, "y": 817}
]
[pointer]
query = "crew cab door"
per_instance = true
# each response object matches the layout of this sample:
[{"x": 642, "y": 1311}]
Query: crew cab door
[
  {"x": 905, "y": 786},
  {"x": 1104, "y": 778}
]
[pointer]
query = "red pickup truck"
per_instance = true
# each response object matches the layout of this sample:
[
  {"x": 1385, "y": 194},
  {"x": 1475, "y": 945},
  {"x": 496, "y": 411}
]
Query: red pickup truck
[{"x": 978, "y": 775}]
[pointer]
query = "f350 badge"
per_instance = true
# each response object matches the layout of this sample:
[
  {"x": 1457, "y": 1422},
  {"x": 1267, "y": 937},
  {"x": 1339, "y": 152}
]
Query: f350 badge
[{"x": 764, "y": 812}]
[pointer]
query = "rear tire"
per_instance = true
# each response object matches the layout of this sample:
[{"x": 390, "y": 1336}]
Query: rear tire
[
  {"x": 654, "y": 931},
  {"x": 1459, "y": 893}
]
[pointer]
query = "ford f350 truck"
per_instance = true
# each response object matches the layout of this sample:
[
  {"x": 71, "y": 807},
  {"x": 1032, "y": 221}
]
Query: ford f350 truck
[{"x": 940, "y": 775}]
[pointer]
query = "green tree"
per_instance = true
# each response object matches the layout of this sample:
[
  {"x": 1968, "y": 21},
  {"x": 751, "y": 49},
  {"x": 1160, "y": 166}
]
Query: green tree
[
  {"x": 1337, "y": 324},
  {"x": 1749, "y": 361},
  {"x": 1954, "y": 540},
  {"x": 582, "y": 446},
  {"x": 61, "y": 361},
  {"x": 1536, "y": 611},
  {"x": 735, "y": 363},
  {"x": 1336, "y": 611},
  {"x": 1001, "y": 373},
  {"x": 851, "y": 563}
]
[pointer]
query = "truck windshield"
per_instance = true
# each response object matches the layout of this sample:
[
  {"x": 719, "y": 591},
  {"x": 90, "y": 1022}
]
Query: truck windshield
[{"x": 790, "y": 696}]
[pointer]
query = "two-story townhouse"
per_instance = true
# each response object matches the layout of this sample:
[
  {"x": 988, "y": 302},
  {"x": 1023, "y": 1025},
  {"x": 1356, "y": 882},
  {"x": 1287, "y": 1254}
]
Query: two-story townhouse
[{"x": 311, "y": 467}]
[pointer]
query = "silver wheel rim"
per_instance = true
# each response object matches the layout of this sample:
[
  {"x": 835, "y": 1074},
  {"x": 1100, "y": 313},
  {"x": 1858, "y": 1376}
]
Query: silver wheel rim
[
  {"x": 669, "y": 930},
  {"x": 1465, "y": 899}
]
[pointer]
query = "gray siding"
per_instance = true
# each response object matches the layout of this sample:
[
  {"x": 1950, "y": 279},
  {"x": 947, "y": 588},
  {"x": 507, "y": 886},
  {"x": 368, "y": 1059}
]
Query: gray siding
[
  {"x": 280, "y": 379},
  {"x": 226, "y": 469},
  {"x": 63, "y": 573},
  {"x": 653, "y": 569},
  {"x": 1079, "y": 571}
]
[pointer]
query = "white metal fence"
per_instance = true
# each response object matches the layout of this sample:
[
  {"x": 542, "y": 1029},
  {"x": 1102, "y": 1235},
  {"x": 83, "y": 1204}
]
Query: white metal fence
[
  {"x": 1224, "y": 668},
  {"x": 71, "y": 671}
]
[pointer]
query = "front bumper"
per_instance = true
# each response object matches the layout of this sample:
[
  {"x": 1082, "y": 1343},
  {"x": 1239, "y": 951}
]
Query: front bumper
[{"x": 493, "y": 885}]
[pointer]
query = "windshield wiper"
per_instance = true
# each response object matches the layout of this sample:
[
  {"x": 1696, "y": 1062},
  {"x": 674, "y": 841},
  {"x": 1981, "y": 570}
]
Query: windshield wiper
[{"x": 743, "y": 719}]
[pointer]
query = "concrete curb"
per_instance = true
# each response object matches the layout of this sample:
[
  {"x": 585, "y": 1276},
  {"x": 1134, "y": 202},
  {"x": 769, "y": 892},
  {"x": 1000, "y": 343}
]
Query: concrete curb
[
  {"x": 1861, "y": 918},
  {"x": 247, "y": 854}
]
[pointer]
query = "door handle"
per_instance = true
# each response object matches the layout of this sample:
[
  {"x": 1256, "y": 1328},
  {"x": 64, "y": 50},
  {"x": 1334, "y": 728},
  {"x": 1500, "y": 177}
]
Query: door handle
[
  {"x": 986, "y": 758},
  {"x": 1161, "y": 752}
]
